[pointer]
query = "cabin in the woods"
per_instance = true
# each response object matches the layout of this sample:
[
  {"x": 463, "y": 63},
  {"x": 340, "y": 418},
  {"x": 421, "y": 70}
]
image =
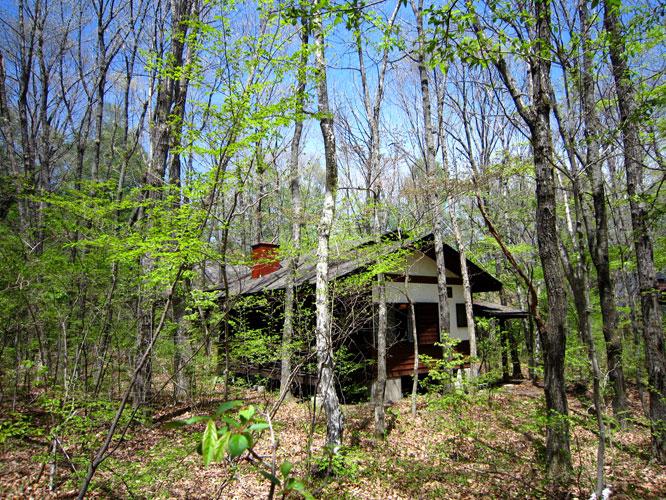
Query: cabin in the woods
[{"x": 256, "y": 299}]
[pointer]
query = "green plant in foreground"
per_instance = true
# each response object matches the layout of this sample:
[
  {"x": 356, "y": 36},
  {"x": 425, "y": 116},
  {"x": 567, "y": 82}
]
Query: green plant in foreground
[{"x": 234, "y": 437}]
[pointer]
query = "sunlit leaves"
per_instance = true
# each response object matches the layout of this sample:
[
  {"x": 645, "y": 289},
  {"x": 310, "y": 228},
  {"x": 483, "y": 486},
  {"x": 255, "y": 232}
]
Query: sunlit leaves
[{"x": 234, "y": 436}]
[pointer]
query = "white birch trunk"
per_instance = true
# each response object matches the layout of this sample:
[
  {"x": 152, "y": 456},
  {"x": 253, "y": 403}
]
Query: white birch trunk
[{"x": 325, "y": 363}]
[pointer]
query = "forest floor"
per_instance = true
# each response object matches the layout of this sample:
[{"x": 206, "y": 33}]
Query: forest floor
[{"x": 487, "y": 445}]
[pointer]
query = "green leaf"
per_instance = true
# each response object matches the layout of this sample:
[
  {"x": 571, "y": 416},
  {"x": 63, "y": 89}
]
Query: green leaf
[
  {"x": 231, "y": 422},
  {"x": 285, "y": 468},
  {"x": 259, "y": 426},
  {"x": 297, "y": 485},
  {"x": 247, "y": 414},
  {"x": 222, "y": 439},
  {"x": 226, "y": 406},
  {"x": 238, "y": 443},
  {"x": 196, "y": 419},
  {"x": 209, "y": 443}
]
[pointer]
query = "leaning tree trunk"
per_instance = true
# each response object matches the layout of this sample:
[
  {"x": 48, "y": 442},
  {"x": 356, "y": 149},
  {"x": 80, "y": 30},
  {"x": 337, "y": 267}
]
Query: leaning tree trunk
[
  {"x": 653, "y": 335},
  {"x": 467, "y": 292},
  {"x": 578, "y": 276},
  {"x": 325, "y": 363},
  {"x": 467, "y": 286}
]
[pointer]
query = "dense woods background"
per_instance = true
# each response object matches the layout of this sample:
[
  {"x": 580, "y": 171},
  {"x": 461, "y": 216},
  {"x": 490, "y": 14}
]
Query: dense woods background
[{"x": 145, "y": 146}]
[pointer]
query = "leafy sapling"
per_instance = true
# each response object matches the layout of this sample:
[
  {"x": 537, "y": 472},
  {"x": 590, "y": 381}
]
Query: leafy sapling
[{"x": 233, "y": 437}]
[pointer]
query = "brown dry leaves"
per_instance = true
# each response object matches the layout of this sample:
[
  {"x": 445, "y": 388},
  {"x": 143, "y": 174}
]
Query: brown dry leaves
[{"x": 490, "y": 447}]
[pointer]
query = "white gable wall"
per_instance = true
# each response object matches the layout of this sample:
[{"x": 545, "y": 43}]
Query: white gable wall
[{"x": 419, "y": 264}]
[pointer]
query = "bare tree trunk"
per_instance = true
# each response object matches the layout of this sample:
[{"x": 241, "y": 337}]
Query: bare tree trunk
[
  {"x": 553, "y": 334},
  {"x": 415, "y": 340},
  {"x": 504, "y": 349},
  {"x": 183, "y": 374},
  {"x": 380, "y": 383},
  {"x": 7, "y": 129},
  {"x": 598, "y": 238},
  {"x": 516, "y": 371},
  {"x": 297, "y": 209},
  {"x": 258, "y": 213},
  {"x": 578, "y": 276},
  {"x": 326, "y": 386},
  {"x": 467, "y": 288},
  {"x": 558, "y": 455},
  {"x": 374, "y": 194},
  {"x": 467, "y": 291},
  {"x": 528, "y": 328},
  {"x": 102, "y": 67},
  {"x": 169, "y": 95},
  {"x": 430, "y": 167},
  {"x": 27, "y": 145},
  {"x": 653, "y": 334}
]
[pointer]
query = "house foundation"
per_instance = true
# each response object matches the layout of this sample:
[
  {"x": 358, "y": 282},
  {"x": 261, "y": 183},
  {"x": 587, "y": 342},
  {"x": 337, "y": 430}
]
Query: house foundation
[{"x": 392, "y": 392}]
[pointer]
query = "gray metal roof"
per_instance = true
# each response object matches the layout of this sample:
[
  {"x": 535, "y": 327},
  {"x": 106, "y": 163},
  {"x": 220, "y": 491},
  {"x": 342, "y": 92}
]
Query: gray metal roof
[
  {"x": 356, "y": 259},
  {"x": 492, "y": 310}
]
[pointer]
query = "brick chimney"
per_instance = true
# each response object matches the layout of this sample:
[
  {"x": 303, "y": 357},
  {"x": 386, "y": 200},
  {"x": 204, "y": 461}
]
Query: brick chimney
[{"x": 264, "y": 259}]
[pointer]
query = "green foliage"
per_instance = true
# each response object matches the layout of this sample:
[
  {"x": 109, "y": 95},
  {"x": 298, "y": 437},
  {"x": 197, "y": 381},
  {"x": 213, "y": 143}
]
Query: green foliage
[
  {"x": 152, "y": 470},
  {"x": 349, "y": 367},
  {"x": 234, "y": 437},
  {"x": 441, "y": 377},
  {"x": 255, "y": 346},
  {"x": 337, "y": 461},
  {"x": 16, "y": 425}
]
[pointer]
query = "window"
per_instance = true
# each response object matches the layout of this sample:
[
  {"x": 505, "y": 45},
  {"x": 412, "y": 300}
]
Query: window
[
  {"x": 449, "y": 292},
  {"x": 461, "y": 316}
]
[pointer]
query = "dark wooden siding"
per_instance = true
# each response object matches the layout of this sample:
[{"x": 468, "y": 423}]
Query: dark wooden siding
[
  {"x": 427, "y": 322},
  {"x": 401, "y": 356},
  {"x": 400, "y": 360}
]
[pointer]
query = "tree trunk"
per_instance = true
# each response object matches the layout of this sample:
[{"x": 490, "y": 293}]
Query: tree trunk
[
  {"x": 183, "y": 373},
  {"x": 558, "y": 455},
  {"x": 380, "y": 384},
  {"x": 598, "y": 237},
  {"x": 553, "y": 332},
  {"x": 653, "y": 334},
  {"x": 467, "y": 292},
  {"x": 7, "y": 129},
  {"x": 373, "y": 196},
  {"x": 415, "y": 340},
  {"x": 297, "y": 209},
  {"x": 504, "y": 347},
  {"x": 325, "y": 363},
  {"x": 162, "y": 138},
  {"x": 467, "y": 287},
  {"x": 430, "y": 168}
]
